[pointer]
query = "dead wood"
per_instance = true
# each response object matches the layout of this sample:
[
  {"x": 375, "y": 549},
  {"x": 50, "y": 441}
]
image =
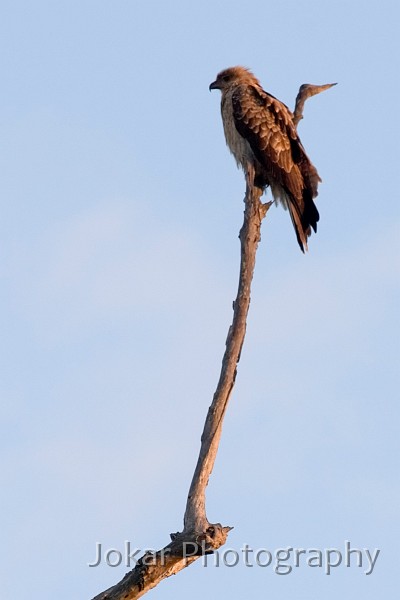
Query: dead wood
[{"x": 199, "y": 536}]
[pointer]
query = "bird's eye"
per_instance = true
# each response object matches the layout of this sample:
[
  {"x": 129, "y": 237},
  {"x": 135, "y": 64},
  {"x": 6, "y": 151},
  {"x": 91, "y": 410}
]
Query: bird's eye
[{"x": 226, "y": 77}]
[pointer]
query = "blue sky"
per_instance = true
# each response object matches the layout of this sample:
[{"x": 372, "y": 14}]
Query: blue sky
[{"x": 120, "y": 213}]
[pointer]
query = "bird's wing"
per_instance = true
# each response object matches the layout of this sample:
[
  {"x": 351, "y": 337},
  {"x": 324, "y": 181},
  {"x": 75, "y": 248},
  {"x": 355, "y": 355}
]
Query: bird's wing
[{"x": 267, "y": 124}]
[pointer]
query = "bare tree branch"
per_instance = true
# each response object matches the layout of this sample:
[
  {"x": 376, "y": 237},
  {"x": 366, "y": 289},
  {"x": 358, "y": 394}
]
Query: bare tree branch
[
  {"x": 306, "y": 91},
  {"x": 153, "y": 568},
  {"x": 199, "y": 536},
  {"x": 195, "y": 515}
]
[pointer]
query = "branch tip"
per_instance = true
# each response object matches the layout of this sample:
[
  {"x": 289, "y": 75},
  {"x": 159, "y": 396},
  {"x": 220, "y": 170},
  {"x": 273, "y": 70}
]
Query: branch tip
[{"x": 306, "y": 91}]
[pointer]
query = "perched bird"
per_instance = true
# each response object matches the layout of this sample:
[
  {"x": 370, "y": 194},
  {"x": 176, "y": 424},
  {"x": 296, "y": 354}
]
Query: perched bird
[{"x": 261, "y": 133}]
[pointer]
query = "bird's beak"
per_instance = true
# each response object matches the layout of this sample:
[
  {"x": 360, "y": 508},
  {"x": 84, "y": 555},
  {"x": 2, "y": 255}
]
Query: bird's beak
[{"x": 214, "y": 86}]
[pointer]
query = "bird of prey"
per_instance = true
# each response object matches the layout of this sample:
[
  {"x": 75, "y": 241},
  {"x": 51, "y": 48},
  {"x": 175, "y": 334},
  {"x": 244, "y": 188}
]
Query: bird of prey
[{"x": 261, "y": 133}]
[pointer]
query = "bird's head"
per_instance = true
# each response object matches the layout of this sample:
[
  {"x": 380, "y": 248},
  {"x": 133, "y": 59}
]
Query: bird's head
[{"x": 231, "y": 77}]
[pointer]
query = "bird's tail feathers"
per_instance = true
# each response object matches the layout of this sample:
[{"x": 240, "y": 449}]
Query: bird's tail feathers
[
  {"x": 301, "y": 234},
  {"x": 302, "y": 210},
  {"x": 304, "y": 216}
]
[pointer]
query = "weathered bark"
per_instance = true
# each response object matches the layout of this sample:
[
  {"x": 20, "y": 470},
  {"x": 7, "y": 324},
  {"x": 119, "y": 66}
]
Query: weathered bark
[
  {"x": 195, "y": 515},
  {"x": 200, "y": 537},
  {"x": 306, "y": 91},
  {"x": 153, "y": 568}
]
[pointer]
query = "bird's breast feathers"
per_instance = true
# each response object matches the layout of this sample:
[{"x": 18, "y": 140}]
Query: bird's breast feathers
[{"x": 236, "y": 143}]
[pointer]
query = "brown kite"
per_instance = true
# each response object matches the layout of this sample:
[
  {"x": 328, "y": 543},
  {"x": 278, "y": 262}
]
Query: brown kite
[{"x": 261, "y": 133}]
